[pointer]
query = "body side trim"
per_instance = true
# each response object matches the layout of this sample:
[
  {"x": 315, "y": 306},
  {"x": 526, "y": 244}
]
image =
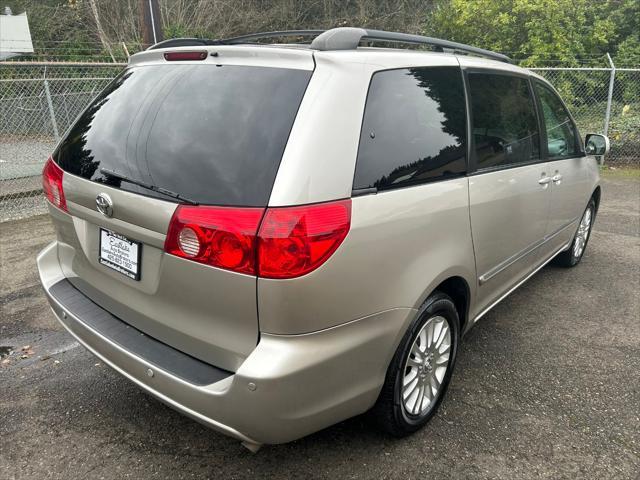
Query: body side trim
[
  {"x": 512, "y": 289},
  {"x": 523, "y": 253}
]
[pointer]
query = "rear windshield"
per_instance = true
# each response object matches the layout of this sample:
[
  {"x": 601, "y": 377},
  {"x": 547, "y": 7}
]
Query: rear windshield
[{"x": 212, "y": 134}]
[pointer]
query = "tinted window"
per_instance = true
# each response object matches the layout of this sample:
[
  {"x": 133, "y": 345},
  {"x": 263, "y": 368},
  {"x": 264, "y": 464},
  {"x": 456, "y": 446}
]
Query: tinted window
[
  {"x": 413, "y": 129},
  {"x": 562, "y": 138},
  {"x": 214, "y": 134},
  {"x": 505, "y": 128}
]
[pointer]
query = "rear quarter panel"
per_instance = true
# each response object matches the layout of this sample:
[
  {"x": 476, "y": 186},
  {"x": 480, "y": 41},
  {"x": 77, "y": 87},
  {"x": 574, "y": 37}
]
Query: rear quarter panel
[{"x": 401, "y": 245}]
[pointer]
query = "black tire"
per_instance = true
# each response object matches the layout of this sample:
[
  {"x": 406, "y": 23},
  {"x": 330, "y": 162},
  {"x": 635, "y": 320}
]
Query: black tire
[
  {"x": 389, "y": 411},
  {"x": 568, "y": 258}
]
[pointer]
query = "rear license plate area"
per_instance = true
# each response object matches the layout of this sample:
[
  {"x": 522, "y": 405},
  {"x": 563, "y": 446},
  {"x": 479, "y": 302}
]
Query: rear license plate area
[{"x": 120, "y": 253}]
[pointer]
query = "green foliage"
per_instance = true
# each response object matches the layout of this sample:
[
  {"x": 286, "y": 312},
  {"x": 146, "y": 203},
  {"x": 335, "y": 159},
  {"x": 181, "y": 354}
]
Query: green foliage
[
  {"x": 536, "y": 32},
  {"x": 540, "y": 32},
  {"x": 628, "y": 53},
  {"x": 623, "y": 129}
]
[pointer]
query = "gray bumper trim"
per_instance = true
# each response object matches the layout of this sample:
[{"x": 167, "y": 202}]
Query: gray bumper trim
[{"x": 149, "y": 349}]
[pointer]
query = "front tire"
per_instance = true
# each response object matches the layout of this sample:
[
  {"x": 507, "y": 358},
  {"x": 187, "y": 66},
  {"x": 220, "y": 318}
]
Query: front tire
[
  {"x": 572, "y": 256},
  {"x": 421, "y": 369}
]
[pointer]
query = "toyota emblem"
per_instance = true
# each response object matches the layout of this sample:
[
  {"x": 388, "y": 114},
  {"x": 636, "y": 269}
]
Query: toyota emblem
[{"x": 104, "y": 204}]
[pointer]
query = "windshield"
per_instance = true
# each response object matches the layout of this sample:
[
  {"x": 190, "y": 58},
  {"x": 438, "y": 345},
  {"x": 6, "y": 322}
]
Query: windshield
[{"x": 213, "y": 134}]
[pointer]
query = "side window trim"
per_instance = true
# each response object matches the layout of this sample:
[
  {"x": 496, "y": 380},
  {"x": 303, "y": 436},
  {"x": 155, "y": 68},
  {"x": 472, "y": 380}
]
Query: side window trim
[
  {"x": 542, "y": 132},
  {"x": 472, "y": 162},
  {"x": 544, "y": 146},
  {"x": 471, "y": 151},
  {"x": 578, "y": 139},
  {"x": 357, "y": 192}
]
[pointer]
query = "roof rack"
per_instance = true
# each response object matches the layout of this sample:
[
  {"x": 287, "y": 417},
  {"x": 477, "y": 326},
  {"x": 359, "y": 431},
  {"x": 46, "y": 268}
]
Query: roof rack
[
  {"x": 261, "y": 35},
  {"x": 342, "y": 38},
  {"x": 348, "y": 38}
]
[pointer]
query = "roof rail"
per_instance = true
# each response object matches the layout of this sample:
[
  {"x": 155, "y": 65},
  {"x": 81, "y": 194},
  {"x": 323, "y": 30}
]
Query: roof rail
[
  {"x": 261, "y": 35},
  {"x": 192, "y": 42},
  {"x": 348, "y": 38},
  {"x": 342, "y": 38}
]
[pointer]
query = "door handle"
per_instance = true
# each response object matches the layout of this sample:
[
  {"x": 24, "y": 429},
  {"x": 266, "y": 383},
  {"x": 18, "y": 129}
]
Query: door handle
[
  {"x": 544, "y": 181},
  {"x": 557, "y": 179}
]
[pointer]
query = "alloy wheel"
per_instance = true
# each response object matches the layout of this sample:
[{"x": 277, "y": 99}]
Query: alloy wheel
[
  {"x": 583, "y": 233},
  {"x": 426, "y": 366}
]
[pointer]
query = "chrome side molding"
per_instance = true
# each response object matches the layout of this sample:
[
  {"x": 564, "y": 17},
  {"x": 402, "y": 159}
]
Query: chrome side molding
[
  {"x": 523, "y": 253},
  {"x": 512, "y": 289}
]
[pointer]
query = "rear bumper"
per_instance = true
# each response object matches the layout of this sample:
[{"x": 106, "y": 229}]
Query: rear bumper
[{"x": 288, "y": 387}]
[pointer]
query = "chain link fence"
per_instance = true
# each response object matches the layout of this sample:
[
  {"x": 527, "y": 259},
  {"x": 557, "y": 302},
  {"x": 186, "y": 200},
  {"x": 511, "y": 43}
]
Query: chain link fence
[
  {"x": 39, "y": 101},
  {"x": 603, "y": 100}
]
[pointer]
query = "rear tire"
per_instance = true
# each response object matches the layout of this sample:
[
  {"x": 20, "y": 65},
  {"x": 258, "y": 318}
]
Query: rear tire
[
  {"x": 421, "y": 368},
  {"x": 572, "y": 256}
]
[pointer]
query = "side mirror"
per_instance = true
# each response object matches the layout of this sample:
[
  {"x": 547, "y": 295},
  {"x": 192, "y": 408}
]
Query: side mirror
[
  {"x": 557, "y": 147},
  {"x": 596, "y": 144}
]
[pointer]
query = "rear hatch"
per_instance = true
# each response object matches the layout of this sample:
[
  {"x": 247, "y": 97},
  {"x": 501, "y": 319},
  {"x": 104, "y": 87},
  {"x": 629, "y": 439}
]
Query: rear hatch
[{"x": 209, "y": 132}]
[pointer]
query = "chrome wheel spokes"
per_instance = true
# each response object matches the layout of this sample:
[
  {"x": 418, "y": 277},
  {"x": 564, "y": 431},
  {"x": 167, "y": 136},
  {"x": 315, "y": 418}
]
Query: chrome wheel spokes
[
  {"x": 583, "y": 233},
  {"x": 426, "y": 365}
]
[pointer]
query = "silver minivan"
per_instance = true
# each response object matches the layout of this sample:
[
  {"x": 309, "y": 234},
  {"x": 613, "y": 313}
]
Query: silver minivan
[{"x": 274, "y": 238}]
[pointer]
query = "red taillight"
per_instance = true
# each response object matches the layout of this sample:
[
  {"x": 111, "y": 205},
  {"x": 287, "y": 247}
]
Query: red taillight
[
  {"x": 291, "y": 241},
  {"x": 223, "y": 237},
  {"x": 52, "y": 184},
  {"x": 294, "y": 241},
  {"x": 183, "y": 56}
]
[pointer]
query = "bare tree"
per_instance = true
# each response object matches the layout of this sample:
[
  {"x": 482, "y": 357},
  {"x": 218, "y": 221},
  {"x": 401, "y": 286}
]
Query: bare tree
[
  {"x": 112, "y": 22},
  {"x": 101, "y": 34}
]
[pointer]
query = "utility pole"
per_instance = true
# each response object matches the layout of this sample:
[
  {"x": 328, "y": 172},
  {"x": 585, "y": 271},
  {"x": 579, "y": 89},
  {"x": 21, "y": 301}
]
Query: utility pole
[{"x": 150, "y": 22}]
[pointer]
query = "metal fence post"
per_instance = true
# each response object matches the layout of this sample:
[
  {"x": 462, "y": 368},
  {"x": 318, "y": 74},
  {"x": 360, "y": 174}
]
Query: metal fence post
[
  {"x": 612, "y": 78},
  {"x": 50, "y": 103},
  {"x": 37, "y": 105},
  {"x": 28, "y": 125}
]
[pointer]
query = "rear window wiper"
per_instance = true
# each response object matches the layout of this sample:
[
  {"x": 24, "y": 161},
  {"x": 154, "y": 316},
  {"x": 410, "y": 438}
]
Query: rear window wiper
[{"x": 148, "y": 186}]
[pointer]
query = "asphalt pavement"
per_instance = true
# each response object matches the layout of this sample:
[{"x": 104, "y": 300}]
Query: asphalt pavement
[{"x": 547, "y": 385}]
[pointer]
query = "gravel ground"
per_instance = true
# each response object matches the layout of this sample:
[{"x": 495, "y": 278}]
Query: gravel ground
[
  {"x": 21, "y": 162},
  {"x": 22, "y": 156},
  {"x": 546, "y": 386},
  {"x": 22, "y": 205}
]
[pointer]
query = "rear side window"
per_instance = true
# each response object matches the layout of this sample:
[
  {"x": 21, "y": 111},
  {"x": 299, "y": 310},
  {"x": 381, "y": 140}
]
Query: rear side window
[
  {"x": 413, "y": 129},
  {"x": 213, "y": 134},
  {"x": 505, "y": 127},
  {"x": 562, "y": 137}
]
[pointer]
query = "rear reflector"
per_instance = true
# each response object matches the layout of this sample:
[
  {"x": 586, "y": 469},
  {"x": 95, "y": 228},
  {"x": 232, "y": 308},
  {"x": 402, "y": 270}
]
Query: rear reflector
[
  {"x": 52, "y": 184},
  {"x": 222, "y": 237},
  {"x": 290, "y": 241},
  {"x": 184, "y": 56}
]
